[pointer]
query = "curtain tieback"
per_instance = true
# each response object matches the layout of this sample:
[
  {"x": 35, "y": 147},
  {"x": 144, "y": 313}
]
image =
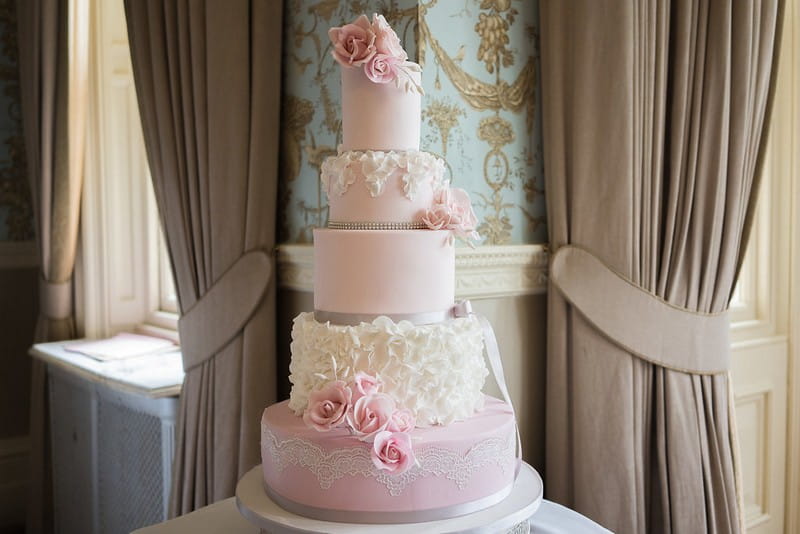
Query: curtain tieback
[
  {"x": 223, "y": 311},
  {"x": 639, "y": 321},
  {"x": 55, "y": 299}
]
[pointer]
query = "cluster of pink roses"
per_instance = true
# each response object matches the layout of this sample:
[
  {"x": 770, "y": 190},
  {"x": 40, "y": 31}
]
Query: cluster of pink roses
[
  {"x": 452, "y": 210},
  {"x": 375, "y": 46},
  {"x": 370, "y": 415}
]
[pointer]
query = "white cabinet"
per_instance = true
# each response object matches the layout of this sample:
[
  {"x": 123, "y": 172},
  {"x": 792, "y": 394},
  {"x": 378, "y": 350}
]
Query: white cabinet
[{"x": 112, "y": 435}]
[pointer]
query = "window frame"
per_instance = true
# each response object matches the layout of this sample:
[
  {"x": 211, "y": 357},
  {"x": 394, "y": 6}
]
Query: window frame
[{"x": 122, "y": 262}]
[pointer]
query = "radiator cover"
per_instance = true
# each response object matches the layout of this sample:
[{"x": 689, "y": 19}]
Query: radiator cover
[{"x": 112, "y": 455}]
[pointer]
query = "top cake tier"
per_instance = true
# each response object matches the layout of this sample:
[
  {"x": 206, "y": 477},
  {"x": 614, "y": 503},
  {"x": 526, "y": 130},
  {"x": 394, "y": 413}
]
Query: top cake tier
[
  {"x": 378, "y": 116},
  {"x": 380, "y": 88}
]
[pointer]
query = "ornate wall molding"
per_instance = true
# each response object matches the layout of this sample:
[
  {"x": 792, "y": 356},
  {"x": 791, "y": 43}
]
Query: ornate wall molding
[
  {"x": 483, "y": 272},
  {"x": 501, "y": 271}
]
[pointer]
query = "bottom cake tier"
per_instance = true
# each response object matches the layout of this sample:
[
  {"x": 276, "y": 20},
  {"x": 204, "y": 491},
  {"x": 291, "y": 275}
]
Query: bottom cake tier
[{"x": 461, "y": 468}]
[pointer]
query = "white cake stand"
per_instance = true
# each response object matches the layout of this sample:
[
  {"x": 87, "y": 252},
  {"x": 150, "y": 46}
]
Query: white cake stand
[{"x": 526, "y": 496}]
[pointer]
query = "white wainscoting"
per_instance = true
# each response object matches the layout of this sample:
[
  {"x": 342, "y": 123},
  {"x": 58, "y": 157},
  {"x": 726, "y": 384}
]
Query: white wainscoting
[{"x": 761, "y": 420}]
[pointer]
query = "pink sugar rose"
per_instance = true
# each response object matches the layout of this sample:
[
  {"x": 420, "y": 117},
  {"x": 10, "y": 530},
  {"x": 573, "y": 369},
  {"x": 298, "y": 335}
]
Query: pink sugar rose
[
  {"x": 437, "y": 217},
  {"x": 365, "y": 384},
  {"x": 370, "y": 415},
  {"x": 392, "y": 451},
  {"x": 328, "y": 407},
  {"x": 382, "y": 68},
  {"x": 353, "y": 44},
  {"x": 386, "y": 40},
  {"x": 402, "y": 420},
  {"x": 452, "y": 210}
]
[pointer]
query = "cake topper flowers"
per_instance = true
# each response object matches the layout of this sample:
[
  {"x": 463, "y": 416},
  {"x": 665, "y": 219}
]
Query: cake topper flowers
[
  {"x": 375, "y": 47},
  {"x": 353, "y": 44}
]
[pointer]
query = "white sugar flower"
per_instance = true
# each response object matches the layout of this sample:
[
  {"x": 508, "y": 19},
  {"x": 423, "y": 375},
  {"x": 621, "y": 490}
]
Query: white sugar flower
[{"x": 377, "y": 166}]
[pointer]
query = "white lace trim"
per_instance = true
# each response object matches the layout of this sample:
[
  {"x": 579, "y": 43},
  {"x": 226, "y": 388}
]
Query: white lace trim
[
  {"x": 329, "y": 467},
  {"x": 339, "y": 172}
]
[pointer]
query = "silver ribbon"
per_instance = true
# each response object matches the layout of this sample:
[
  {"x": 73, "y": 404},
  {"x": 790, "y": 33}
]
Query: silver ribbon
[
  {"x": 355, "y": 319},
  {"x": 367, "y": 516},
  {"x": 464, "y": 309}
]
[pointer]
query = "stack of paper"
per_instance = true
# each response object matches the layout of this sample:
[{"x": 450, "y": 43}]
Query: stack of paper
[{"x": 121, "y": 346}]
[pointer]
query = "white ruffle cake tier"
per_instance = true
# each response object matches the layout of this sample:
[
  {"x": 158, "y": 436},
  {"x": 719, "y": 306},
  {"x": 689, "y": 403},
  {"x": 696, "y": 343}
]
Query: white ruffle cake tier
[{"x": 435, "y": 370}]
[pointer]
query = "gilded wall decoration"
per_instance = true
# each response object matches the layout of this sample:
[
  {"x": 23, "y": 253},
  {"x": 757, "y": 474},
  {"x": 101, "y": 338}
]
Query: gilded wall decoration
[
  {"x": 483, "y": 55},
  {"x": 16, "y": 215},
  {"x": 480, "y": 111},
  {"x": 442, "y": 115}
]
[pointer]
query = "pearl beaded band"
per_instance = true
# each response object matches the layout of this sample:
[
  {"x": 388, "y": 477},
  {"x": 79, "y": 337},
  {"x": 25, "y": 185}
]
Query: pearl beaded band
[{"x": 337, "y": 225}]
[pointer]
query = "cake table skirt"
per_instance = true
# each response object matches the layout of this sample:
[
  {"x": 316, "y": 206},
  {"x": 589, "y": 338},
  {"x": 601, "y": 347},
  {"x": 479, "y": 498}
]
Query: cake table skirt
[{"x": 526, "y": 496}]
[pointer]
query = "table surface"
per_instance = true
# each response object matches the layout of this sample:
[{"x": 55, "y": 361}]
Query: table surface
[
  {"x": 551, "y": 518},
  {"x": 153, "y": 375}
]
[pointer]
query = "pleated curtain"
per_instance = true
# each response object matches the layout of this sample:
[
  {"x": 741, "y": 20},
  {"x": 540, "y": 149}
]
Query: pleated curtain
[
  {"x": 654, "y": 117},
  {"x": 207, "y": 77},
  {"x": 53, "y": 88}
]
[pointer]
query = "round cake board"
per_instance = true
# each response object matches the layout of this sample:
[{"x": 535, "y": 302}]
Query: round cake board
[{"x": 526, "y": 496}]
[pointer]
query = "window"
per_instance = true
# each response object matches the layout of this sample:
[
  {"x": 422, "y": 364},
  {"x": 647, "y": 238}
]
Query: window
[
  {"x": 753, "y": 306},
  {"x": 124, "y": 276},
  {"x": 167, "y": 296}
]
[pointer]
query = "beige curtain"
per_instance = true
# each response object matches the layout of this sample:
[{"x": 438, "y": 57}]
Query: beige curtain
[
  {"x": 208, "y": 82},
  {"x": 654, "y": 121},
  {"x": 53, "y": 94}
]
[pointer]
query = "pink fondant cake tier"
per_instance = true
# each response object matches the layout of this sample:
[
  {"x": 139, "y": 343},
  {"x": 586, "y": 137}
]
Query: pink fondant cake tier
[
  {"x": 461, "y": 467},
  {"x": 378, "y": 116},
  {"x": 383, "y": 272}
]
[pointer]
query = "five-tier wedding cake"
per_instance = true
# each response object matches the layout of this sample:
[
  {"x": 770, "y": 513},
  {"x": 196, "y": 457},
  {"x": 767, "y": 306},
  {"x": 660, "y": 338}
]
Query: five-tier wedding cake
[{"x": 387, "y": 422}]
